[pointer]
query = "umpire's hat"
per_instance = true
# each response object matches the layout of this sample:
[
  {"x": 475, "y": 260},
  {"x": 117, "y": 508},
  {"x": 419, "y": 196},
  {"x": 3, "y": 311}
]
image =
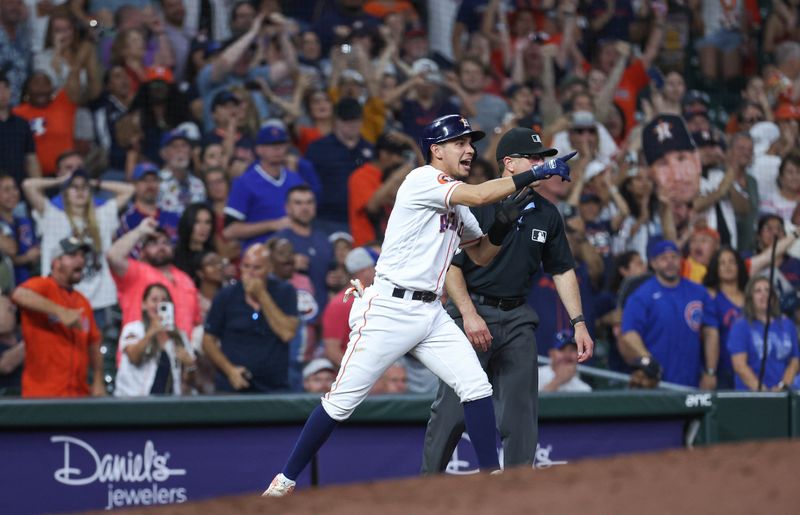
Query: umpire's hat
[
  {"x": 521, "y": 142},
  {"x": 663, "y": 134}
]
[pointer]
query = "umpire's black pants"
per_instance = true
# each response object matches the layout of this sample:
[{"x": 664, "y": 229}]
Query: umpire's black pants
[{"x": 511, "y": 364}]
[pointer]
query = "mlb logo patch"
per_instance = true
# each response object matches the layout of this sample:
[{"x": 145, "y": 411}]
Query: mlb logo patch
[{"x": 539, "y": 236}]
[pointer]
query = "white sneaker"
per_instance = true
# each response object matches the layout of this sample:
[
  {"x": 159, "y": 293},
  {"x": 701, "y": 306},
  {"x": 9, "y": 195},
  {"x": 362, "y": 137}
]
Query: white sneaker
[{"x": 281, "y": 486}]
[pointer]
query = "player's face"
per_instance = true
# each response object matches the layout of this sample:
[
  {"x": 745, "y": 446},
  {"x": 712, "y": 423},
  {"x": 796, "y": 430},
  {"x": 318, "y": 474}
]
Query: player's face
[
  {"x": 667, "y": 266},
  {"x": 456, "y": 156},
  {"x": 677, "y": 175}
]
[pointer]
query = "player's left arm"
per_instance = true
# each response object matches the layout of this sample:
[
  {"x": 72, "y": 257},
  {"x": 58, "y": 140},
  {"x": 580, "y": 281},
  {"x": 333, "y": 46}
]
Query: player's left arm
[{"x": 567, "y": 287}]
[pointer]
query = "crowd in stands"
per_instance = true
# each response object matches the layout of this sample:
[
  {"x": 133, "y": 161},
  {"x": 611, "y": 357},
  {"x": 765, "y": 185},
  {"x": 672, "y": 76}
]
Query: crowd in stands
[{"x": 187, "y": 187}]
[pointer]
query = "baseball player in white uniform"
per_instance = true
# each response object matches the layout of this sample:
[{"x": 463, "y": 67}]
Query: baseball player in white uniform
[{"x": 401, "y": 313}]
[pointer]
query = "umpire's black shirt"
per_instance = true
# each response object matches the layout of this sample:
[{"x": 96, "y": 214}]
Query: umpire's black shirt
[{"x": 538, "y": 237}]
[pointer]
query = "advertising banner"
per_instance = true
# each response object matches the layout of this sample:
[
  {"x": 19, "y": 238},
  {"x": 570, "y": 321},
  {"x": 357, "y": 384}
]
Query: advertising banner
[{"x": 46, "y": 471}]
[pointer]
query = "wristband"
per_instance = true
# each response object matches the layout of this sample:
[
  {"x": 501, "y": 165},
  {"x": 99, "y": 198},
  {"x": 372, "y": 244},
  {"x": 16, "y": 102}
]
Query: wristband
[
  {"x": 710, "y": 371},
  {"x": 523, "y": 179},
  {"x": 577, "y": 320}
]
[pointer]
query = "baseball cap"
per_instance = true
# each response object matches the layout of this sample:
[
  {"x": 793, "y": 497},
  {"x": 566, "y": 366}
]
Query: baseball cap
[
  {"x": 222, "y": 98},
  {"x": 695, "y": 96},
  {"x": 787, "y": 111},
  {"x": 764, "y": 134},
  {"x": 272, "y": 134},
  {"x": 665, "y": 133},
  {"x": 582, "y": 120},
  {"x": 521, "y": 141},
  {"x": 565, "y": 338},
  {"x": 348, "y": 109},
  {"x": 161, "y": 73},
  {"x": 79, "y": 172},
  {"x": 656, "y": 248},
  {"x": 340, "y": 235},
  {"x": 358, "y": 259},
  {"x": 317, "y": 365},
  {"x": 71, "y": 245},
  {"x": 428, "y": 67},
  {"x": 707, "y": 231},
  {"x": 143, "y": 169},
  {"x": 593, "y": 169},
  {"x": 174, "y": 135}
]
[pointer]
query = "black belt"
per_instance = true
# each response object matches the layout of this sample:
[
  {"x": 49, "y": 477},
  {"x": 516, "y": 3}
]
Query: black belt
[
  {"x": 503, "y": 303},
  {"x": 424, "y": 296}
]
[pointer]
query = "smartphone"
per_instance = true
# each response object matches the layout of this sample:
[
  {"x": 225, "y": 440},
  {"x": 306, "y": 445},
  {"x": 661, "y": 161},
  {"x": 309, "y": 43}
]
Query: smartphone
[{"x": 166, "y": 315}]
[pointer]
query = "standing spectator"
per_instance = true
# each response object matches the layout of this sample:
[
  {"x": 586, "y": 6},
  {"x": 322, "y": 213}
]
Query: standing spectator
[
  {"x": 107, "y": 110},
  {"x": 69, "y": 59},
  {"x": 17, "y": 148},
  {"x": 319, "y": 108},
  {"x": 256, "y": 204},
  {"x": 715, "y": 202},
  {"x": 147, "y": 183},
  {"x": 12, "y": 349},
  {"x": 180, "y": 39},
  {"x": 703, "y": 244},
  {"x": 81, "y": 219},
  {"x": 373, "y": 186},
  {"x": 429, "y": 100},
  {"x": 313, "y": 252},
  {"x": 154, "y": 266},
  {"x": 19, "y": 229},
  {"x": 217, "y": 186},
  {"x": 15, "y": 46},
  {"x": 671, "y": 321},
  {"x": 335, "y": 157},
  {"x": 61, "y": 336},
  {"x": 746, "y": 341},
  {"x": 195, "y": 236},
  {"x": 179, "y": 187},
  {"x": 782, "y": 200},
  {"x": 748, "y": 187},
  {"x": 561, "y": 375},
  {"x": 360, "y": 265},
  {"x": 249, "y": 327},
  {"x": 53, "y": 121},
  {"x": 486, "y": 111},
  {"x": 726, "y": 281},
  {"x": 209, "y": 279},
  {"x": 155, "y": 359}
]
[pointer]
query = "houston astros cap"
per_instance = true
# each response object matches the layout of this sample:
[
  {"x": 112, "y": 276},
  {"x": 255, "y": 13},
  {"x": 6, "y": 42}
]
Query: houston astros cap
[
  {"x": 665, "y": 133},
  {"x": 520, "y": 142}
]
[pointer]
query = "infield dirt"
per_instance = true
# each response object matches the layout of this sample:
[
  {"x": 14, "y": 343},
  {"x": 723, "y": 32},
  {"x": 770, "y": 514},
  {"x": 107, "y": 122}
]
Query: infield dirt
[{"x": 751, "y": 478}]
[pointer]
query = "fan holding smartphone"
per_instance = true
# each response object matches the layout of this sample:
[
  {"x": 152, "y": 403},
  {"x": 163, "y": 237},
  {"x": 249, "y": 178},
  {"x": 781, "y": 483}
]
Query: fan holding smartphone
[{"x": 156, "y": 357}]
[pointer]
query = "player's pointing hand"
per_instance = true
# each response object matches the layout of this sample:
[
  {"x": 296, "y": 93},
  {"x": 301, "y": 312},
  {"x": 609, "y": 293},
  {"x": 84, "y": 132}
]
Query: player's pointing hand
[{"x": 556, "y": 166}]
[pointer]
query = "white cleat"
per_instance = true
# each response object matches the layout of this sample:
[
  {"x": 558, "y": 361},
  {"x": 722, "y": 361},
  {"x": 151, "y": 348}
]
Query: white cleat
[{"x": 281, "y": 486}]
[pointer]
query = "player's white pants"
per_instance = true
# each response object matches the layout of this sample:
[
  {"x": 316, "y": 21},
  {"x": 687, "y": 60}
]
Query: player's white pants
[{"x": 384, "y": 328}]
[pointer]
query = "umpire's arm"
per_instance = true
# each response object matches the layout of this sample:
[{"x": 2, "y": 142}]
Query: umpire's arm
[
  {"x": 567, "y": 287},
  {"x": 474, "y": 326}
]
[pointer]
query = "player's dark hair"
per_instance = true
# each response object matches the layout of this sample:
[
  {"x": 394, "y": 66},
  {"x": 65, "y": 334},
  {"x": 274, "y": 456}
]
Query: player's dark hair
[{"x": 712, "y": 280}]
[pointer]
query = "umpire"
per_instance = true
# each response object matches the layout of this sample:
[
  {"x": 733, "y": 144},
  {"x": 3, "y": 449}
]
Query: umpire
[{"x": 489, "y": 305}]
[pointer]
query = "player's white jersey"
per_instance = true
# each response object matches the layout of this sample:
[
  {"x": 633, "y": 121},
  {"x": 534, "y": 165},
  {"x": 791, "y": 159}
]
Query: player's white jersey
[{"x": 424, "y": 231}]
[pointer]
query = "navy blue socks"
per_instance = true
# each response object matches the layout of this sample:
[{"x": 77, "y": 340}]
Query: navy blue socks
[
  {"x": 480, "y": 422},
  {"x": 318, "y": 428}
]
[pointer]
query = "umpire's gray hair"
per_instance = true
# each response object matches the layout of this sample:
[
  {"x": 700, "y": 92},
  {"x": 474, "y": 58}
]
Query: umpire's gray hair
[{"x": 787, "y": 51}]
